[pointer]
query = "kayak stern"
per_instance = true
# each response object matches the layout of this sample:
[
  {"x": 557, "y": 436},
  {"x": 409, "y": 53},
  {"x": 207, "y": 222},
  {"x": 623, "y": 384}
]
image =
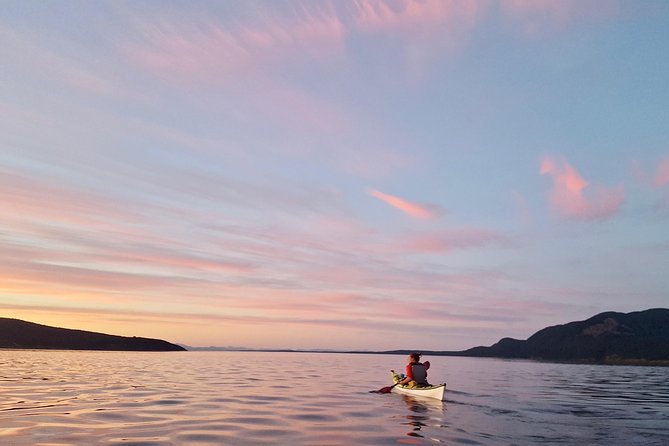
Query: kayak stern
[{"x": 433, "y": 391}]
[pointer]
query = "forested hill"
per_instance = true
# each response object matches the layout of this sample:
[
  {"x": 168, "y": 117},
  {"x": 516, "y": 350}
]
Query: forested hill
[
  {"x": 638, "y": 337},
  {"x": 15, "y": 333}
]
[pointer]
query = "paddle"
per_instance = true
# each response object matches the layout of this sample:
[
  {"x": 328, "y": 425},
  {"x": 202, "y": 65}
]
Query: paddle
[{"x": 387, "y": 389}]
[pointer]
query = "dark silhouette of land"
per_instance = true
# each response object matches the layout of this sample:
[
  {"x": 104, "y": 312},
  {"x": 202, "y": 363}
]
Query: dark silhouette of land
[
  {"x": 640, "y": 337},
  {"x": 15, "y": 333}
]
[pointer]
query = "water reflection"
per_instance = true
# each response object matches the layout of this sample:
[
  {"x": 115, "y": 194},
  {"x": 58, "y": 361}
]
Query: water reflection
[{"x": 419, "y": 414}]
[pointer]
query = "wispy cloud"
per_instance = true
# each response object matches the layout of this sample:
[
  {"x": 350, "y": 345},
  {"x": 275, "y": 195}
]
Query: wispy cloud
[
  {"x": 422, "y": 31},
  {"x": 281, "y": 71},
  {"x": 204, "y": 51},
  {"x": 568, "y": 197},
  {"x": 419, "y": 16},
  {"x": 455, "y": 239},
  {"x": 662, "y": 175},
  {"x": 537, "y": 17},
  {"x": 331, "y": 319},
  {"x": 417, "y": 210},
  {"x": 660, "y": 180}
]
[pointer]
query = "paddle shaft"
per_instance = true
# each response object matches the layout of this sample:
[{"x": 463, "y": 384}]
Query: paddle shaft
[{"x": 388, "y": 389}]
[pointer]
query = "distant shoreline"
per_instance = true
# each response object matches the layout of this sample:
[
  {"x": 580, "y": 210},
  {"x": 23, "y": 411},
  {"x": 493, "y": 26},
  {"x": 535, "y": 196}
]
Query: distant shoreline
[
  {"x": 614, "y": 362},
  {"x": 638, "y": 338}
]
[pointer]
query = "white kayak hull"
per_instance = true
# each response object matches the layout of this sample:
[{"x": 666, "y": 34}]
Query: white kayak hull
[{"x": 435, "y": 391}]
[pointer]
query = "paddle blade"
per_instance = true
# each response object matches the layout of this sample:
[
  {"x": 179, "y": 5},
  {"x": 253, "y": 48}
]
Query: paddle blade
[{"x": 388, "y": 389}]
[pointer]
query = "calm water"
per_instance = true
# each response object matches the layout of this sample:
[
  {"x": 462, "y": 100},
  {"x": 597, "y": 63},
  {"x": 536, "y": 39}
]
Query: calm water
[{"x": 237, "y": 398}]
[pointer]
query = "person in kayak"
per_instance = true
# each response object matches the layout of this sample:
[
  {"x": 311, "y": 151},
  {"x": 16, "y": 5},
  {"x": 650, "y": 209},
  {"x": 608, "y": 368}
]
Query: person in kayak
[{"x": 416, "y": 371}]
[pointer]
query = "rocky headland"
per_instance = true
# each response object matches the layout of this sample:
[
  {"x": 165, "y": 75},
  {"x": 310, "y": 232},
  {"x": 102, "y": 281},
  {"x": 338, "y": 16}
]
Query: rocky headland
[{"x": 18, "y": 334}]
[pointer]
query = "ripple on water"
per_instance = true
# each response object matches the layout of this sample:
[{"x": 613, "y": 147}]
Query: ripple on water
[
  {"x": 262, "y": 421},
  {"x": 194, "y": 399},
  {"x": 271, "y": 433},
  {"x": 117, "y": 415},
  {"x": 139, "y": 441},
  {"x": 357, "y": 414},
  {"x": 201, "y": 437},
  {"x": 266, "y": 399},
  {"x": 313, "y": 417}
]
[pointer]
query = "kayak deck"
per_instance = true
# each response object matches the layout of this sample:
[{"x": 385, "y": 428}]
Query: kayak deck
[{"x": 433, "y": 391}]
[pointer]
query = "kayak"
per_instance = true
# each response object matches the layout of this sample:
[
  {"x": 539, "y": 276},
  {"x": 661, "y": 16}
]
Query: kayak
[{"x": 433, "y": 391}]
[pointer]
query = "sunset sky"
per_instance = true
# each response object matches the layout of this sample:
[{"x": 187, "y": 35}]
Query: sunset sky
[{"x": 425, "y": 174}]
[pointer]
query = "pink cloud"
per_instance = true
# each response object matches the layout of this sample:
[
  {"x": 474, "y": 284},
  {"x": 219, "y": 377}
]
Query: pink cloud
[
  {"x": 218, "y": 55},
  {"x": 568, "y": 195},
  {"x": 30, "y": 198},
  {"x": 422, "y": 31},
  {"x": 415, "y": 15},
  {"x": 455, "y": 20},
  {"x": 451, "y": 240},
  {"x": 213, "y": 54},
  {"x": 423, "y": 211},
  {"x": 249, "y": 63},
  {"x": 326, "y": 330},
  {"x": 41, "y": 274},
  {"x": 534, "y": 17},
  {"x": 662, "y": 176}
]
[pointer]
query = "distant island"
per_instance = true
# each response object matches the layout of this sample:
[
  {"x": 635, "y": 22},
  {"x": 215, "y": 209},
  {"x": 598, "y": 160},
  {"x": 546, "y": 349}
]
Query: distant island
[
  {"x": 616, "y": 338},
  {"x": 18, "y": 334},
  {"x": 637, "y": 338}
]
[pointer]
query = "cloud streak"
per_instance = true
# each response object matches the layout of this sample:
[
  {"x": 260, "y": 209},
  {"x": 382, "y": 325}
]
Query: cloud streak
[
  {"x": 455, "y": 239},
  {"x": 417, "y": 16},
  {"x": 205, "y": 51},
  {"x": 568, "y": 197},
  {"x": 416, "y": 210},
  {"x": 662, "y": 176}
]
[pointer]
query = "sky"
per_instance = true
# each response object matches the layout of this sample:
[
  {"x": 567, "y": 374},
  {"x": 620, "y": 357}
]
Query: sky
[{"x": 401, "y": 174}]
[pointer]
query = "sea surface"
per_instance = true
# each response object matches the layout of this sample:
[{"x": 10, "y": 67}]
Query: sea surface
[{"x": 253, "y": 398}]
